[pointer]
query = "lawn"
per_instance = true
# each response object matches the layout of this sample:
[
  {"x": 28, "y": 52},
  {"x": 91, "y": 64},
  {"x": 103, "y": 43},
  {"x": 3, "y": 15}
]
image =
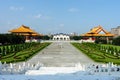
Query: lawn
[
  {"x": 24, "y": 54},
  {"x": 95, "y": 53}
]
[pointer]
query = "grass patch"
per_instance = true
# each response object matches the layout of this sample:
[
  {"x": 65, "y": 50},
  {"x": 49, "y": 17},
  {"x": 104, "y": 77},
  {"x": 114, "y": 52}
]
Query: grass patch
[{"x": 92, "y": 50}]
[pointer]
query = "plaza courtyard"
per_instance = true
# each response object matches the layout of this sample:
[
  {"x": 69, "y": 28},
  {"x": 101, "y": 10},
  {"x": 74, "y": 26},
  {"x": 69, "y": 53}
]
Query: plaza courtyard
[
  {"x": 59, "y": 62},
  {"x": 60, "y": 54}
]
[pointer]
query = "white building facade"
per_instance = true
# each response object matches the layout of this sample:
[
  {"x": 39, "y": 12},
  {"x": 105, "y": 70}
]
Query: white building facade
[
  {"x": 116, "y": 31},
  {"x": 61, "y": 36}
]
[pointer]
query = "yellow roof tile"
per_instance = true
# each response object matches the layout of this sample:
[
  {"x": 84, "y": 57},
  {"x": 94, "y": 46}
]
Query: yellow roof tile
[
  {"x": 22, "y": 29},
  {"x": 95, "y": 32}
]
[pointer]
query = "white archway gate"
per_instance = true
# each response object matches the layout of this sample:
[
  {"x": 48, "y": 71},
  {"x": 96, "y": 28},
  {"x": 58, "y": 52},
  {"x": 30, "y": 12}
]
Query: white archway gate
[{"x": 62, "y": 37}]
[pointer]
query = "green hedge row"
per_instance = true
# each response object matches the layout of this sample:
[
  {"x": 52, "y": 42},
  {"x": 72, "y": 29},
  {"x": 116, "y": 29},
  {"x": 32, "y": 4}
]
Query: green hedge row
[
  {"x": 98, "y": 52},
  {"x": 5, "y": 50},
  {"x": 25, "y": 54}
]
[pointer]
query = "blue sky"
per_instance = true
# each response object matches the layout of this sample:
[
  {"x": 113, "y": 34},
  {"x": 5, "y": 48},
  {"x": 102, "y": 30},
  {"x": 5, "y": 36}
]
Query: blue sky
[{"x": 56, "y": 16}]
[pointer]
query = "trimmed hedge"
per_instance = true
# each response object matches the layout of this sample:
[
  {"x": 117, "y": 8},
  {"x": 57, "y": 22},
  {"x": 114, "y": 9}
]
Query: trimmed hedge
[
  {"x": 9, "y": 49},
  {"x": 24, "y": 54},
  {"x": 99, "y": 53}
]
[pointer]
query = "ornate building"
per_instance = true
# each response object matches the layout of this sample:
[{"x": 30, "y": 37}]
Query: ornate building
[
  {"x": 25, "y": 31},
  {"x": 61, "y": 36},
  {"x": 97, "y": 32}
]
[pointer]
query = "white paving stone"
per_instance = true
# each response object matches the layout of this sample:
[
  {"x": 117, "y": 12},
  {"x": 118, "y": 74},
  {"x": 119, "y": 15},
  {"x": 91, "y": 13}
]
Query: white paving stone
[{"x": 60, "y": 54}]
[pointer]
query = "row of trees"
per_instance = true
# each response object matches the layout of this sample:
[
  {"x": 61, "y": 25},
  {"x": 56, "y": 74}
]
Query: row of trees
[
  {"x": 103, "y": 40},
  {"x": 116, "y": 41},
  {"x": 76, "y": 37},
  {"x": 18, "y": 39},
  {"x": 11, "y": 39},
  {"x": 46, "y": 37}
]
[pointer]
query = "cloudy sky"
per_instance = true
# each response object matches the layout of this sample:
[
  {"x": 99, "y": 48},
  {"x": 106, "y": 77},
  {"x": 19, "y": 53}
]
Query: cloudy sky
[{"x": 56, "y": 16}]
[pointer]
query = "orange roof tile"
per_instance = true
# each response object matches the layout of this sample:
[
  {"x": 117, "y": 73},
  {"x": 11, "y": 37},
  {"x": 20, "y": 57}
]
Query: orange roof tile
[
  {"x": 95, "y": 32},
  {"x": 22, "y": 29}
]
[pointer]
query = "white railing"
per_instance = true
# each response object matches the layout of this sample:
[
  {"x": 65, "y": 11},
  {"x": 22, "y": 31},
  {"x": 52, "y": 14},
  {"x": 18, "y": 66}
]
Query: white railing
[
  {"x": 89, "y": 69},
  {"x": 13, "y": 68}
]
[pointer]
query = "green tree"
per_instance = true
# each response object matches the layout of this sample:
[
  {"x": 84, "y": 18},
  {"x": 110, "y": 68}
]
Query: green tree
[
  {"x": 11, "y": 39},
  {"x": 3, "y": 51},
  {"x": 116, "y": 41},
  {"x": 75, "y": 37},
  {"x": 45, "y": 37},
  {"x": 7, "y": 49},
  {"x": 116, "y": 51},
  {"x": 0, "y": 51}
]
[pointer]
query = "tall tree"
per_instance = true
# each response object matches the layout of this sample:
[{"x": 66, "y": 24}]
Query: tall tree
[{"x": 116, "y": 41}]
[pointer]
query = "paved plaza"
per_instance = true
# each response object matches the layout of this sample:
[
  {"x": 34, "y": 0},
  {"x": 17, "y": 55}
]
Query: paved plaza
[
  {"x": 60, "y": 54},
  {"x": 59, "y": 61}
]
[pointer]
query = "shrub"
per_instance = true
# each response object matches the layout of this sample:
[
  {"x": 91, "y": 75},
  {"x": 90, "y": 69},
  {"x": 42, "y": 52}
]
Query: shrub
[
  {"x": 11, "y": 39},
  {"x": 116, "y": 41}
]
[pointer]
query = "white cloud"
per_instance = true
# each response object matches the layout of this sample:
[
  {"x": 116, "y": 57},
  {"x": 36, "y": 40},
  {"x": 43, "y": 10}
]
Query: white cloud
[
  {"x": 9, "y": 23},
  {"x": 41, "y": 16},
  {"x": 46, "y": 17},
  {"x": 38, "y": 16},
  {"x": 16, "y": 25},
  {"x": 73, "y": 10},
  {"x": 16, "y": 8},
  {"x": 61, "y": 25}
]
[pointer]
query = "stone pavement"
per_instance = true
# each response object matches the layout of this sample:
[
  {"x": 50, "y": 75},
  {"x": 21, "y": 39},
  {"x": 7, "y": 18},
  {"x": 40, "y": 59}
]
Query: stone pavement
[{"x": 60, "y": 54}]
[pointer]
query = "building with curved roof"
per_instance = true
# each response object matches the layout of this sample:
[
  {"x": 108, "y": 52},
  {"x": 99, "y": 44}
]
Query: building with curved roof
[
  {"x": 98, "y": 31},
  {"x": 25, "y": 31}
]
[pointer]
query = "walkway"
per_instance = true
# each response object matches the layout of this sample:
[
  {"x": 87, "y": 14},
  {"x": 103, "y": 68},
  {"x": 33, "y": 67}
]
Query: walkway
[{"x": 60, "y": 54}]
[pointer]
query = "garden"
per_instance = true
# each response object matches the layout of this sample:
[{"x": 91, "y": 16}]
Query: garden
[
  {"x": 100, "y": 52},
  {"x": 20, "y": 52}
]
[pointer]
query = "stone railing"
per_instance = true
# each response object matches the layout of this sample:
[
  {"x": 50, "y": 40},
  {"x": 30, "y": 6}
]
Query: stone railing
[
  {"x": 107, "y": 69},
  {"x": 13, "y": 68},
  {"x": 88, "y": 69}
]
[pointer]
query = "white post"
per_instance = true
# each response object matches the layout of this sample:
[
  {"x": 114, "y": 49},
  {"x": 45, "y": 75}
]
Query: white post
[
  {"x": 0, "y": 67},
  {"x": 23, "y": 64},
  {"x": 19, "y": 67},
  {"x": 11, "y": 65},
  {"x": 109, "y": 68},
  {"x": 28, "y": 65}
]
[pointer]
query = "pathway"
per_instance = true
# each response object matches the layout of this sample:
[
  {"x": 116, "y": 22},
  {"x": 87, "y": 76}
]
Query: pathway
[{"x": 60, "y": 54}]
